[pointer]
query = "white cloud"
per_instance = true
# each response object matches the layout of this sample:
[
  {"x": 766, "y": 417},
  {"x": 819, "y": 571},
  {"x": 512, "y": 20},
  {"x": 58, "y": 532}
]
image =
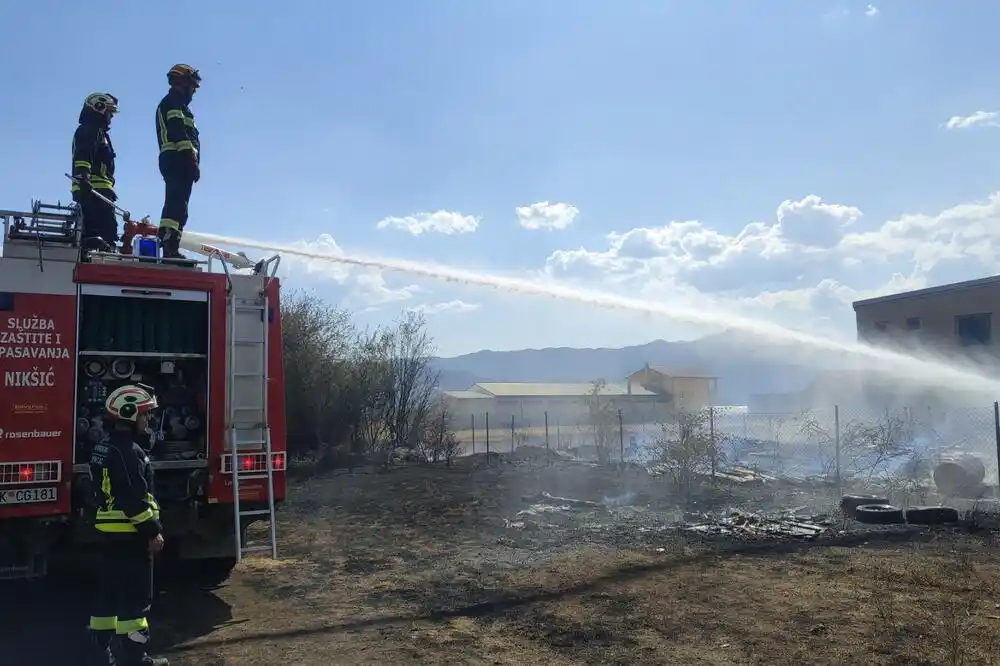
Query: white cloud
[
  {"x": 805, "y": 266},
  {"x": 456, "y": 306},
  {"x": 373, "y": 290},
  {"x": 872, "y": 11},
  {"x": 977, "y": 119},
  {"x": 441, "y": 222},
  {"x": 545, "y": 215}
]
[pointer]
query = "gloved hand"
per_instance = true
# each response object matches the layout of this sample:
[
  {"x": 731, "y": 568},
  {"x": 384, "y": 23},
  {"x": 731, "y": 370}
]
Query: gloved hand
[{"x": 84, "y": 182}]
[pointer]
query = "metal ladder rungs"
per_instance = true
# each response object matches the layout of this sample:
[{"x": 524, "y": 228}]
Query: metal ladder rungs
[
  {"x": 248, "y": 327},
  {"x": 255, "y": 512}
]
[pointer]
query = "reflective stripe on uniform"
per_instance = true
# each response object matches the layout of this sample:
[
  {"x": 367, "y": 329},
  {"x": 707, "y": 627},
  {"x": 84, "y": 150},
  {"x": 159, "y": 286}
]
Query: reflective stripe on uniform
[
  {"x": 82, "y": 164},
  {"x": 128, "y": 626},
  {"x": 178, "y": 146},
  {"x": 167, "y": 223},
  {"x": 103, "y": 623},
  {"x": 95, "y": 184},
  {"x": 114, "y": 521}
]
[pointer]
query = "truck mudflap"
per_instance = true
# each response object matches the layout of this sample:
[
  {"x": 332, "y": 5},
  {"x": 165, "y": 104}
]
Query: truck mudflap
[{"x": 37, "y": 346}]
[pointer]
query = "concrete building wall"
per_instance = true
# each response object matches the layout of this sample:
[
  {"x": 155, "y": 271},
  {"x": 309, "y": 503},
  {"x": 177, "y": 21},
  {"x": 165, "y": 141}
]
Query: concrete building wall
[{"x": 957, "y": 319}]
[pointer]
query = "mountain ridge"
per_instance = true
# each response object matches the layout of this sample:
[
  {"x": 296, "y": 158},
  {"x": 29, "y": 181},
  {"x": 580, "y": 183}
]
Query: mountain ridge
[{"x": 743, "y": 366}]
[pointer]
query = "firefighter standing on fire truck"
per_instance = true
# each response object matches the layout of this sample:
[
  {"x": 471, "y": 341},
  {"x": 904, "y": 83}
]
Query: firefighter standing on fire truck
[
  {"x": 128, "y": 519},
  {"x": 180, "y": 154},
  {"x": 94, "y": 170}
]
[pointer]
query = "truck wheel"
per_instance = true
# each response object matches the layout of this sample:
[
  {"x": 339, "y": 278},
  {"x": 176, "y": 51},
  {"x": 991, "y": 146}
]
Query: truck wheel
[
  {"x": 879, "y": 514},
  {"x": 214, "y": 571},
  {"x": 931, "y": 515},
  {"x": 848, "y": 503}
]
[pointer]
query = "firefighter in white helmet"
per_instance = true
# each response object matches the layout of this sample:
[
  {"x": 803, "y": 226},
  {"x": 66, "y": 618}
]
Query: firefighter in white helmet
[
  {"x": 94, "y": 170},
  {"x": 128, "y": 520}
]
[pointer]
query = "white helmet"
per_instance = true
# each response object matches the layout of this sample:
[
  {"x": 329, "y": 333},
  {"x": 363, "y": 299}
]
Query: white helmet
[
  {"x": 101, "y": 103},
  {"x": 129, "y": 401}
]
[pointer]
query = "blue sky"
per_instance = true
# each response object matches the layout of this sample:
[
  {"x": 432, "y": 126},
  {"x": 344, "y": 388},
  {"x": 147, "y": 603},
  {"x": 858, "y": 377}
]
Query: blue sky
[{"x": 664, "y": 137}]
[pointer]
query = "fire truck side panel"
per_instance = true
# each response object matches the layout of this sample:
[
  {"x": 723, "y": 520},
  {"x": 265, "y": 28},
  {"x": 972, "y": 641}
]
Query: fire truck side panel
[
  {"x": 276, "y": 386},
  {"x": 37, "y": 345},
  {"x": 254, "y": 491}
]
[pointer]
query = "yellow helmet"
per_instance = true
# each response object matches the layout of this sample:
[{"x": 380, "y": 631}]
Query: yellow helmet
[
  {"x": 182, "y": 73},
  {"x": 127, "y": 402}
]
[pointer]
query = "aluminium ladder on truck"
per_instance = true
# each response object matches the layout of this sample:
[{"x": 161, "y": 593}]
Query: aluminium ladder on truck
[{"x": 249, "y": 432}]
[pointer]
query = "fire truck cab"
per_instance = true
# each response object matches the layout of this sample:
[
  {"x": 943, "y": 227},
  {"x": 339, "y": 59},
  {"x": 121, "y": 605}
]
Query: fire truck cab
[{"x": 209, "y": 343}]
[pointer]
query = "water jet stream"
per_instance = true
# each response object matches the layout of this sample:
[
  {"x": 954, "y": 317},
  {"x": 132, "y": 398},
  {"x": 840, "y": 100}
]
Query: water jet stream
[{"x": 924, "y": 371}]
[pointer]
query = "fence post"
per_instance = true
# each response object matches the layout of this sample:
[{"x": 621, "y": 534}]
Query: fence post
[
  {"x": 711, "y": 435},
  {"x": 487, "y": 436},
  {"x": 621, "y": 436},
  {"x": 546, "y": 431},
  {"x": 440, "y": 441},
  {"x": 996, "y": 426},
  {"x": 512, "y": 433},
  {"x": 836, "y": 442},
  {"x": 473, "y": 434}
]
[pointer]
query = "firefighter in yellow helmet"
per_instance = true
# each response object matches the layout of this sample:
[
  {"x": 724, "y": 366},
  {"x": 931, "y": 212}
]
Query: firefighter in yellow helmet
[
  {"x": 180, "y": 154},
  {"x": 94, "y": 169},
  {"x": 128, "y": 521}
]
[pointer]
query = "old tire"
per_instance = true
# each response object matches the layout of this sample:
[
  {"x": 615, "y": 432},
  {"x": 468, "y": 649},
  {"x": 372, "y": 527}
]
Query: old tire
[
  {"x": 849, "y": 503},
  {"x": 879, "y": 514},
  {"x": 931, "y": 515}
]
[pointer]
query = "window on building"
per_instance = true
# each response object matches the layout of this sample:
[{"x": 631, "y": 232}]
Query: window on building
[
  {"x": 914, "y": 323},
  {"x": 974, "y": 329}
]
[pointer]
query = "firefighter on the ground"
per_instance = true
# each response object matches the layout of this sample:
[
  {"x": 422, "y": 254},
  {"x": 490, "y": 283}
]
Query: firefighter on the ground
[
  {"x": 128, "y": 520},
  {"x": 180, "y": 154},
  {"x": 94, "y": 169}
]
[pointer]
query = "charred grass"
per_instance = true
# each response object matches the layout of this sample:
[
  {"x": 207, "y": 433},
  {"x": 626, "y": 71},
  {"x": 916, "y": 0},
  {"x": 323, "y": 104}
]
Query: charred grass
[{"x": 415, "y": 566}]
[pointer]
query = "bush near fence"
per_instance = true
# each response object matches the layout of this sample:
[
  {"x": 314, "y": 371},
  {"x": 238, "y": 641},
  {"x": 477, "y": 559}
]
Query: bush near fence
[{"x": 837, "y": 443}]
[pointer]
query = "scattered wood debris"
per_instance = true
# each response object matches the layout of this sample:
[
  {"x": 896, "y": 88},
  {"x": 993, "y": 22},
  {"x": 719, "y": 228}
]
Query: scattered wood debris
[{"x": 740, "y": 523}]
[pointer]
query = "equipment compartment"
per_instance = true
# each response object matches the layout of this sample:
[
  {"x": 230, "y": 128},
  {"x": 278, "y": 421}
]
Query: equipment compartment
[
  {"x": 143, "y": 325},
  {"x": 155, "y": 341}
]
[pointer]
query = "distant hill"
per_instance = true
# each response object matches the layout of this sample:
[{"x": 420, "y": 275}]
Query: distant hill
[{"x": 743, "y": 367}]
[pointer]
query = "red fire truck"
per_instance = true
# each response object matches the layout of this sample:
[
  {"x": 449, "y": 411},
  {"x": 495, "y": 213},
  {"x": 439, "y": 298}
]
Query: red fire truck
[{"x": 205, "y": 333}]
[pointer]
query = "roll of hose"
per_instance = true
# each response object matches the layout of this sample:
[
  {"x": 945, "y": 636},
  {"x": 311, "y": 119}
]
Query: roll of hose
[
  {"x": 122, "y": 368},
  {"x": 96, "y": 368}
]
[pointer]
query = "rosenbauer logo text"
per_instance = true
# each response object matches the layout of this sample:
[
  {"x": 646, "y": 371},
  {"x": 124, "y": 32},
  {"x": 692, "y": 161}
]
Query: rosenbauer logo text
[{"x": 30, "y": 434}]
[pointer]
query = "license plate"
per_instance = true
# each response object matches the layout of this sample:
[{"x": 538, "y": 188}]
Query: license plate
[{"x": 29, "y": 495}]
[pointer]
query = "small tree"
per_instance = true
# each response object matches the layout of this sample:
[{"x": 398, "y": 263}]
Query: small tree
[
  {"x": 603, "y": 419},
  {"x": 870, "y": 447},
  {"x": 439, "y": 442},
  {"x": 687, "y": 448}
]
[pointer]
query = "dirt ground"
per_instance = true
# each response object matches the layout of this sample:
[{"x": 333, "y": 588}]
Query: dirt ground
[{"x": 432, "y": 565}]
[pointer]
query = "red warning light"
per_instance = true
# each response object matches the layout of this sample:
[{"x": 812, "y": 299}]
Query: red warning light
[
  {"x": 279, "y": 461},
  {"x": 27, "y": 472},
  {"x": 247, "y": 463}
]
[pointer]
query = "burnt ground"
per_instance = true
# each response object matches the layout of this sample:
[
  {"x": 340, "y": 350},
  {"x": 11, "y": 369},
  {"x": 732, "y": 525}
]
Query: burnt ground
[{"x": 433, "y": 565}]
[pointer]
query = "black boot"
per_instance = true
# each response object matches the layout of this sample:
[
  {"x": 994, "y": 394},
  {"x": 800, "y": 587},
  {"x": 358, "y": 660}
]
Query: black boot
[
  {"x": 134, "y": 651},
  {"x": 170, "y": 242}
]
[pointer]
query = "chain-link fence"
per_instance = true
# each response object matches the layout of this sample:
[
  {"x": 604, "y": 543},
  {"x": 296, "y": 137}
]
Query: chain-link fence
[{"x": 834, "y": 443}]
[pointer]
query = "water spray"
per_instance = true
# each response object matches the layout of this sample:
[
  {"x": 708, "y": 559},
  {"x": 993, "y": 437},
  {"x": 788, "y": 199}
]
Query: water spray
[{"x": 925, "y": 371}]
